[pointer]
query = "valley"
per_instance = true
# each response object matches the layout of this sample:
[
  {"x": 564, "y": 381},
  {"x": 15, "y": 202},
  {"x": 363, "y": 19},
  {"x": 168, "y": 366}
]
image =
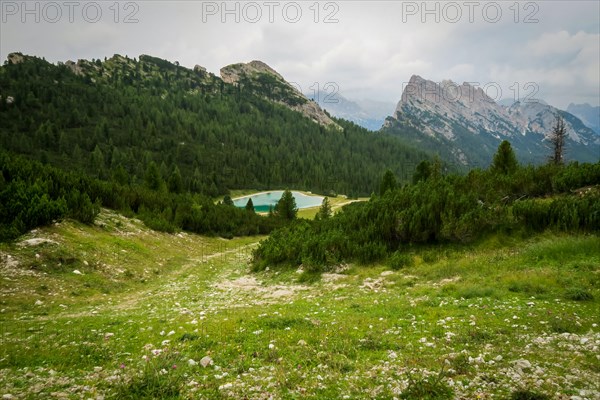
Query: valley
[{"x": 436, "y": 260}]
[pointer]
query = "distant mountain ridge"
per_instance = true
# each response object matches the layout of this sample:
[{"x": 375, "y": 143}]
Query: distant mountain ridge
[
  {"x": 589, "y": 115},
  {"x": 466, "y": 126},
  {"x": 369, "y": 114}
]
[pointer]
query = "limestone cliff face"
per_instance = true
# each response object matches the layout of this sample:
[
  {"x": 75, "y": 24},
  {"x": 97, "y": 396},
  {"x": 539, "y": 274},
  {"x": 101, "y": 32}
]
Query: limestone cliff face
[
  {"x": 457, "y": 114},
  {"x": 264, "y": 80}
]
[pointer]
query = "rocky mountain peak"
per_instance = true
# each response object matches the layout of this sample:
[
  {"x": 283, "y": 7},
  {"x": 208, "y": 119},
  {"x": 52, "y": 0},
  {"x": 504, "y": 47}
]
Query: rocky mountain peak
[
  {"x": 15, "y": 58},
  {"x": 262, "y": 79},
  {"x": 459, "y": 114},
  {"x": 233, "y": 73}
]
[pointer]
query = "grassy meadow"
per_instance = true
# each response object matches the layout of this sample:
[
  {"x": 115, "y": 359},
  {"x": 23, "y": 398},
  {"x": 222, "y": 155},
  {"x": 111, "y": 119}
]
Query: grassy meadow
[{"x": 117, "y": 311}]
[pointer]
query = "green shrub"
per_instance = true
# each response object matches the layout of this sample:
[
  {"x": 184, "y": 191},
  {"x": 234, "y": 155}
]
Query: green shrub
[
  {"x": 578, "y": 294},
  {"x": 399, "y": 260}
]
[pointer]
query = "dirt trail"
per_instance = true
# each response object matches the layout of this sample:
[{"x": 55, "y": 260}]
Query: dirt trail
[{"x": 164, "y": 285}]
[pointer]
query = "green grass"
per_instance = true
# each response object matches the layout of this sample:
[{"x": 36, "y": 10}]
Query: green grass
[{"x": 505, "y": 318}]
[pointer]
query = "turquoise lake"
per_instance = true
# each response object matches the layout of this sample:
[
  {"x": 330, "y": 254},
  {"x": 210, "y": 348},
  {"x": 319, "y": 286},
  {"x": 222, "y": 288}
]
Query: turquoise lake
[{"x": 262, "y": 201}]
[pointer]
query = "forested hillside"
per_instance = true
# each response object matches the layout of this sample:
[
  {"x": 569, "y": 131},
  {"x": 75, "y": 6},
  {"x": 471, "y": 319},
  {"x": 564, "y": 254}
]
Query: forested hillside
[
  {"x": 112, "y": 119},
  {"x": 438, "y": 209}
]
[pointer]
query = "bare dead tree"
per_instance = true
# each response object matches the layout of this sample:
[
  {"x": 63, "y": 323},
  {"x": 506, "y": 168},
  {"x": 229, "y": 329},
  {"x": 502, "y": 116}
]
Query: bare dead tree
[{"x": 557, "y": 141}]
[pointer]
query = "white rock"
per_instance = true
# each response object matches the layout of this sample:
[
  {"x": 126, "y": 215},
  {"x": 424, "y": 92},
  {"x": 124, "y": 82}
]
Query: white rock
[
  {"x": 522, "y": 363},
  {"x": 77, "y": 272},
  {"x": 192, "y": 362},
  {"x": 301, "y": 342},
  {"x": 206, "y": 361},
  {"x": 39, "y": 302},
  {"x": 7, "y": 396}
]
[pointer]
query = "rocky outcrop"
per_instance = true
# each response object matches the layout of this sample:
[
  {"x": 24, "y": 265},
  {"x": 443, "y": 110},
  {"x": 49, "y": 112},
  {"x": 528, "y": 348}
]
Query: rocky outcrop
[{"x": 264, "y": 80}]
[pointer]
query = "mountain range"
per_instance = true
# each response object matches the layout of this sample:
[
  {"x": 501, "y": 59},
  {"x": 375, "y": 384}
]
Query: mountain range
[
  {"x": 589, "y": 115},
  {"x": 249, "y": 127},
  {"x": 465, "y": 126}
]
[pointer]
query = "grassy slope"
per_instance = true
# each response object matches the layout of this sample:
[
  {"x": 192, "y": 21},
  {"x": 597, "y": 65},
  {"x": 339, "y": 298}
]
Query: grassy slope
[{"x": 492, "y": 318}]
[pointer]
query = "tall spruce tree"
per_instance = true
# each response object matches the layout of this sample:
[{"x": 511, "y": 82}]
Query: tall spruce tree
[
  {"x": 388, "y": 182},
  {"x": 557, "y": 141},
  {"x": 286, "y": 206},
  {"x": 505, "y": 161},
  {"x": 325, "y": 210},
  {"x": 250, "y": 206}
]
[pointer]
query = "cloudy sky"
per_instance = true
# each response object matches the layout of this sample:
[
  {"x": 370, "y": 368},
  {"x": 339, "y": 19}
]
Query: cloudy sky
[{"x": 369, "y": 49}]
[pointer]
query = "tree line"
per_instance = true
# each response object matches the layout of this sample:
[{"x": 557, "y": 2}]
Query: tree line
[
  {"x": 122, "y": 115},
  {"x": 437, "y": 208},
  {"x": 33, "y": 194}
]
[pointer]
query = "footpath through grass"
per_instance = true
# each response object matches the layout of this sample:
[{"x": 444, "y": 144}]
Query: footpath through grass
[{"x": 182, "y": 317}]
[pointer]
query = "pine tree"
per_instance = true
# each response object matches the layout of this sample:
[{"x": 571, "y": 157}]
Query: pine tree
[
  {"x": 422, "y": 172},
  {"x": 152, "y": 178},
  {"x": 286, "y": 206},
  {"x": 388, "y": 182},
  {"x": 505, "y": 161},
  {"x": 557, "y": 140},
  {"x": 250, "y": 206},
  {"x": 325, "y": 210},
  {"x": 175, "y": 181},
  {"x": 227, "y": 200}
]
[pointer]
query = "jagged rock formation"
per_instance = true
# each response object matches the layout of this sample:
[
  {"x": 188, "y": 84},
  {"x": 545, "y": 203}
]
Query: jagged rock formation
[{"x": 466, "y": 125}]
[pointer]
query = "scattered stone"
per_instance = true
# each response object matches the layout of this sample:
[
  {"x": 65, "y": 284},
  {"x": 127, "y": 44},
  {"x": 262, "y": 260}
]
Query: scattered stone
[
  {"x": 192, "y": 362},
  {"x": 36, "y": 242},
  {"x": 301, "y": 342},
  {"x": 39, "y": 302},
  {"x": 206, "y": 361},
  {"x": 77, "y": 272},
  {"x": 522, "y": 364}
]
